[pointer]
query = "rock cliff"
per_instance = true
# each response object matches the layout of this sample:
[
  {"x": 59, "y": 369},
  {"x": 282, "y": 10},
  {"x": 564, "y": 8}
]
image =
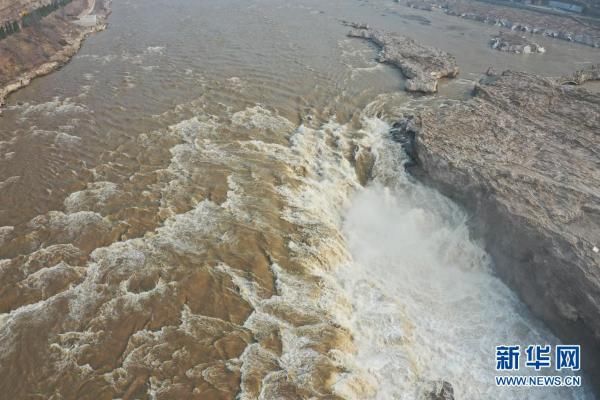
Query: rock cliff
[{"x": 523, "y": 156}]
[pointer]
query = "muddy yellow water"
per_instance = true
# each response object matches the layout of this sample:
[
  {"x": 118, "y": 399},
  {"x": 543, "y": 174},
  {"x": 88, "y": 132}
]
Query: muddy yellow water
[{"x": 181, "y": 210}]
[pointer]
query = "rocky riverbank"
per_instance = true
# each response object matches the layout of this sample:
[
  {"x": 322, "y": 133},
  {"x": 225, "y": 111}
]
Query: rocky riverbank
[
  {"x": 515, "y": 43},
  {"x": 41, "y": 47},
  {"x": 422, "y": 65},
  {"x": 580, "y": 77},
  {"x": 565, "y": 27},
  {"x": 522, "y": 156}
]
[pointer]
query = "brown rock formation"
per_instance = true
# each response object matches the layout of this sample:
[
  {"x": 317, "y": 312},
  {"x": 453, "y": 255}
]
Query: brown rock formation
[
  {"x": 515, "y": 43},
  {"x": 523, "y": 155},
  {"x": 41, "y": 47},
  {"x": 422, "y": 65}
]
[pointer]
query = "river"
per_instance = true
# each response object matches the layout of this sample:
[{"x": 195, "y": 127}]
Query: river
[{"x": 185, "y": 213}]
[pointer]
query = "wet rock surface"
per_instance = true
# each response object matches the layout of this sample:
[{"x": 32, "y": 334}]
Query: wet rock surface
[
  {"x": 522, "y": 156},
  {"x": 422, "y": 65},
  {"x": 515, "y": 43},
  {"x": 438, "y": 390}
]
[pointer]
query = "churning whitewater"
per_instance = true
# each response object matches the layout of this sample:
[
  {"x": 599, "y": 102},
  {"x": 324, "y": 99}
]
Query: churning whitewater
[
  {"x": 426, "y": 306},
  {"x": 377, "y": 287}
]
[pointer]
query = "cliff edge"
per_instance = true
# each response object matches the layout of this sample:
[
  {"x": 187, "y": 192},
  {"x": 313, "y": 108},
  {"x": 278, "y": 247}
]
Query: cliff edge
[{"x": 523, "y": 156}]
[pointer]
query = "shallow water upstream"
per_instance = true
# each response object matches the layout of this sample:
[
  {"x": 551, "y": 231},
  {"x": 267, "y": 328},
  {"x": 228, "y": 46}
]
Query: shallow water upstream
[{"x": 183, "y": 214}]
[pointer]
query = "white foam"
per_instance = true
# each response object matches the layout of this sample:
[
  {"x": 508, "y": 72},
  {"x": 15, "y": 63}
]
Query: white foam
[
  {"x": 3, "y": 318},
  {"x": 64, "y": 139},
  {"x": 298, "y": 360},
  {"x": 426, "y": 304},
  {"x": 96, "y": 193},
  {"x": 155, "y": 50},
  {"x": 53, "y": 107},
  {"x": 259, "y": 117}
]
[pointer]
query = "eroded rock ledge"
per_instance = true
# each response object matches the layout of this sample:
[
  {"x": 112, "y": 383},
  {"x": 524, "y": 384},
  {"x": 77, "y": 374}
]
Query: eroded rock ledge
[
  {"x": 515, "y": 43},
  {"x": 422, "y": 65},
  {"x": 523, "y": 155},
  {"x": 580, "y": 77}
]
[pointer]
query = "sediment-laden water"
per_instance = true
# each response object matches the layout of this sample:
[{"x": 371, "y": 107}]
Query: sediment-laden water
[{"x": 186, "y": 211}]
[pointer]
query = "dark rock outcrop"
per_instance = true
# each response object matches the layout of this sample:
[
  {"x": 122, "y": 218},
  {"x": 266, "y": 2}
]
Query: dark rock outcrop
[
  {"x": 422, "y": 65},
  {"x": 438, "y": 390},
  {"x": 523, "y": 156}
]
